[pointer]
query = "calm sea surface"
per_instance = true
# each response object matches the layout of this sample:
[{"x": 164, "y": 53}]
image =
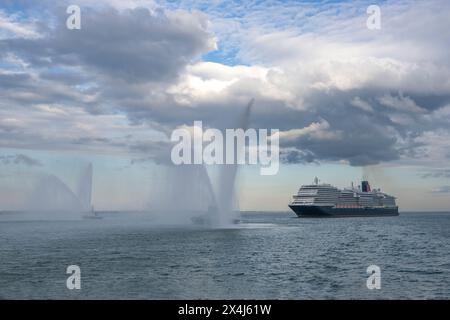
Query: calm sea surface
[{"x": 269, "y": 256}]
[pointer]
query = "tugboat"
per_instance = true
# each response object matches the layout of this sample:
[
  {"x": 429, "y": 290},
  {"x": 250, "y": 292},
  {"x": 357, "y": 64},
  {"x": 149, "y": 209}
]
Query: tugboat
[{"x": 91, "y": 214}]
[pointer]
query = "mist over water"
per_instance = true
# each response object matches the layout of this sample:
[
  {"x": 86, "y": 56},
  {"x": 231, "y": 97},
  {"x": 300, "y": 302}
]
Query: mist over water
[
  {"x": 85, "y": 189},
  {"x": 184, "y": 193},
  {"x": 226, "y": 198},
  {"x": 51, "y": 198},
  {"x": 44, "y": 196}
]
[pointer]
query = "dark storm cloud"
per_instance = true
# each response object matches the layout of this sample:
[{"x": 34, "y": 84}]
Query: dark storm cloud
[
  {"x": 21, "y": 90},
  {"x": 362, "y": 137},
  {"x": 133, "y": 44},
  {"x": 13, "y": 81},
  {"x": 294, "y": 156},
  {"x": 126, "y": 61},
  {"x": 70, "y": 77},
  {"x": 19, "y": 159},
  {"x": 431, "y": 101}
]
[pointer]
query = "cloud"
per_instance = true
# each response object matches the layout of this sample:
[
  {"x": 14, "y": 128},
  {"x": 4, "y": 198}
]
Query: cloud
[
  {"x": 132, "y": 44},
  {"x": 363, "y": 105},
  {"x": 10, "y": 26},
  {"x": 336, "y": 91},
  {"x": 441, "y": 190},
  {"x": 437, "y": 173},
  {"x": 401, "y": 103},
  {"x": 19, "y": 159},
  {"x": 294, "y": 156},
  {"x": 315, "y": 131}
]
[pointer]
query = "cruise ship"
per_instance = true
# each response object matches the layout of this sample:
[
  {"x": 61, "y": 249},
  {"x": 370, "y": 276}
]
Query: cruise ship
[{"x": 325, "y": 200}]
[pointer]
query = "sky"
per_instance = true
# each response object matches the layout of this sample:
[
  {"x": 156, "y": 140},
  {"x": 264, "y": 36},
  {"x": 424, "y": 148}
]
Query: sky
[{"x": 351, "y": 102}]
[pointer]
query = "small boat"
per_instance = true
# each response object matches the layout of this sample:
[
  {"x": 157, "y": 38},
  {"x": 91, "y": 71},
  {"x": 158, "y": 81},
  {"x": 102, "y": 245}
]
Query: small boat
[{"x": 91, "y": 215}]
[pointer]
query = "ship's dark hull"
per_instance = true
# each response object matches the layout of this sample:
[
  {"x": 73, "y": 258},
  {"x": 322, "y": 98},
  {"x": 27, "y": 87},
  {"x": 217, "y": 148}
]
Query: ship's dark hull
[{"x": 324, "y": 212}]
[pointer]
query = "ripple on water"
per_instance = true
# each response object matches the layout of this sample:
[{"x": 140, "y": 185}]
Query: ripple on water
[{"x": 266, "y": 256}]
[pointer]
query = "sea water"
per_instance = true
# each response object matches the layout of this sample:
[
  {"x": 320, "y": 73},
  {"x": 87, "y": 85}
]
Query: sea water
[{"x": 267, "y": 256}]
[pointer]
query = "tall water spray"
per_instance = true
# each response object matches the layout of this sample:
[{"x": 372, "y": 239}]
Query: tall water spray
[
  {"x": 185, "y": 193},
  {"x": 51, "y": 195},
  {"x": 52, "y": 198},
  {"x": 226, "y": 197},
  {"x": 182, "y": 193},
  {"x": 84, "y": 191}
]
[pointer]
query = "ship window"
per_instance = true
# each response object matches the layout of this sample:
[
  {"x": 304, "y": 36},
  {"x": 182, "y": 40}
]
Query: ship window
[
  {"x": 306, "y": 192},
  {"x": 305, "y": 200}
]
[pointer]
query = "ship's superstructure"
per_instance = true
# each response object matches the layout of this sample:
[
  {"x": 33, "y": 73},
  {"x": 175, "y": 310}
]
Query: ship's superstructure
[{"x": 326, "y": 200}]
